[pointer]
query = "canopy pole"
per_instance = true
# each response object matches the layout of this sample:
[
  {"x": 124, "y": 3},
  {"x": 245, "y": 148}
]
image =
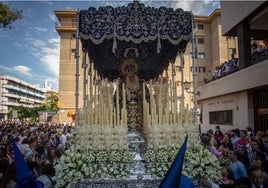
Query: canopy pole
[
  {"x": 77, "y": 70},
  {"x": 194, "y": 56},
  {"x": 182, "y": 83},
  {"x": 84, "y": 65}
]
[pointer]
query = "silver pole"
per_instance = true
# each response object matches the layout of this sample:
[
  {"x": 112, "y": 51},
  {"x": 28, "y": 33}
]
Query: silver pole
[
  {"x": 84, "y": 79},
  {"x": 194, "y": 56},
  {"x": 77, "y": 70},
  {"x": 182, "y": 81},
  {"x": 174, "y": 92}
]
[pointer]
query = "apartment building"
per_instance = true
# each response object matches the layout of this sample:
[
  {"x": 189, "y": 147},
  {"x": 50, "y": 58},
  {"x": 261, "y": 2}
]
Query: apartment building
[
  {"x": 15, "y": 92},
  {"x": 240, "y": 99},
  {"x": 211, "y": 50}
]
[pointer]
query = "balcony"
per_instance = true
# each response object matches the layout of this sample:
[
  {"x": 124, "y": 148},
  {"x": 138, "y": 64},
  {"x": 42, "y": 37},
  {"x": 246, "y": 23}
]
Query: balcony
[{"x": 248, "y": 78}]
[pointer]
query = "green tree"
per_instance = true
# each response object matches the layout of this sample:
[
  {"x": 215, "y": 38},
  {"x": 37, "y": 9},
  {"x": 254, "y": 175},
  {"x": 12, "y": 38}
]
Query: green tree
[
  {"x": 8, "y": 15},
  {"x": 51, "y": 102},
  {"x": 22, "y": 112}
]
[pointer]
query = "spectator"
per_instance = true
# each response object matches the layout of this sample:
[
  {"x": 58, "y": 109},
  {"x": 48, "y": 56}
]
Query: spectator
[
  {"x": 252, "y": 148},
  {"x": 224, "y": 158},
  {"x": 243, "y": 155},
  {"x": 218, "y": 135},
  {"x": 4, "y": 163},
  {"x": 53, "y": 139},
  {"x": 235, "y": 136},
  {"x": 32, "y": 144},
  {"x": 227, "y": 141},
  {"x": 63, "y": 137},
  {"x": 238, "y": 168},
  {"x": 264, "y": 145},
  {"x": 255, "y": 52},
  {"x": 215, "y": 147},
  {"x": 52, "y": 157},
  {"x": 255, "y": 178},
  {"x": 264, "y": 49},
  {"x": 232, "y": 64},
  {"x": 226, "y": 176},
  {"x": 259, "y": 160},
  {"x": 24, "y": 146},
  {"x": 9, "y": 180},
  {"x": 243, "y": 140}
]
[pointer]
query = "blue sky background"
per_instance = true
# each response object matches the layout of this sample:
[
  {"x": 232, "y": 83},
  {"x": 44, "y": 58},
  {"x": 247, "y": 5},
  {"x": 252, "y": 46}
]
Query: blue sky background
[{"x": 30, "y": 50}]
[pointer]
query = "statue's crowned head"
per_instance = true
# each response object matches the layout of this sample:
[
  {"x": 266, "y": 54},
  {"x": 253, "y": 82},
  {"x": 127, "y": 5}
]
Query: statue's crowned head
[{"x": 129, "y": 66}]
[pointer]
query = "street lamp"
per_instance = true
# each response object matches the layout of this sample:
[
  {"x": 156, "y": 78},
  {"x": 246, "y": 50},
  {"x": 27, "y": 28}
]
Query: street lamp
[{"x": 187, "y": 87}]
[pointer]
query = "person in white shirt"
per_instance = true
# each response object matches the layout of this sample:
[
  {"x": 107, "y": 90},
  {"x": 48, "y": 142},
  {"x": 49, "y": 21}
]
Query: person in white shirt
[{"x": 63, "y": 137}]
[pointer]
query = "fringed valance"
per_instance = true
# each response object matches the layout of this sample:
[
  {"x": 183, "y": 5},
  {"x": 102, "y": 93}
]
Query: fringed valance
[{"x": 158, "y": 34}]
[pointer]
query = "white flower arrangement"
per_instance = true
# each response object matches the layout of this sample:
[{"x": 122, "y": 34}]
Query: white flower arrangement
[
  {"x": 200, "y": 162},
  {"x": 127, "y": 157},
  {"x": 75, "y": 165},
  {"x": 72, "y": 166},
  {"x": 162, "y": 156},
  {"x": 157, "y": 162},
  {"x": 149, "y": 156},
  {"x": 115, "y": 156},
  {"x": 102, "y": 156},
  {"x": 157, "y": 169}
]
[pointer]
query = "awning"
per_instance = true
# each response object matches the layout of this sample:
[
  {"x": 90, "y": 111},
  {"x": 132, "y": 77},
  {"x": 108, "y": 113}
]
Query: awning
[
  {"x": 71, "y": 113},
  {"x": 156, "y": 35}
]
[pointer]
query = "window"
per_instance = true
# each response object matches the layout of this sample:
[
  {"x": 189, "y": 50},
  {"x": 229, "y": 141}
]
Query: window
[
  {"x": 221, "y": 117},
  {"x": 200, "y": 26},
  {"x": 201, "y": 40},
  {"x": 201, "y": 55},
  {"x": 178, "y": 68},
  {"x": 202, "y": 69}
]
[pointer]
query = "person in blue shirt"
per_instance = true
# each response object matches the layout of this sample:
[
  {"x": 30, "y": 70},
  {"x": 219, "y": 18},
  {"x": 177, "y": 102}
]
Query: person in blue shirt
[{"x": 238, "y": 168}]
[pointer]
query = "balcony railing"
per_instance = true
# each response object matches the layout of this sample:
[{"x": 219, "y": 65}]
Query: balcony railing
[{"x": 65, "y": 24}]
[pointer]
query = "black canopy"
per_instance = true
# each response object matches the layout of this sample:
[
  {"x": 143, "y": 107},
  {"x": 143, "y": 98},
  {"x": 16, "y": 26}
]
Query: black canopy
[{"x": 155, "y": 35}]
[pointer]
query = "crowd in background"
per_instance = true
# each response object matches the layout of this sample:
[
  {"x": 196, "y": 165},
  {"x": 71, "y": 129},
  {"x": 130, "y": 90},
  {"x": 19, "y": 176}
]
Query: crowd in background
[
  {"x": 40, "y": 144},
  {"x": 258, "y": 53},
  {"x": 224, "y": 69},
  {"x": 242, "y": 154}
]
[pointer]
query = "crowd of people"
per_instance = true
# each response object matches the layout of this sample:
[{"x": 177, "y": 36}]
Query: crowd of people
[
  {"x": 40, "y": 144},
  {"x": 224, "y": 69},
  {"x": 242, "y": 154},
  {"x": 258, "y": 53}
]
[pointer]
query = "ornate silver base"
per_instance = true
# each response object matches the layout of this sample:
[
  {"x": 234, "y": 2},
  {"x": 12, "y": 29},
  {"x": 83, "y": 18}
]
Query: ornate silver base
[{"x": 145, "y": 183}]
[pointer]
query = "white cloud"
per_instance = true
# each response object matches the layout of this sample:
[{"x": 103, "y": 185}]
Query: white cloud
[
  {"x": 18, "y": 44},
  {"x": 41, "y": 29},
  {"x": 47, "y": 52},
  {"x": 50, "y": 57},
  {"x": 201, "y": 7},
  {"x": 2, "y": 67},
  {"x": 21, "y": 69},
  {"x": 53, "y": 17}
]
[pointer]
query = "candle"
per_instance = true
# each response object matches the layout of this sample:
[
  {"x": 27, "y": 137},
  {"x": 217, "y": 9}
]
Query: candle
[
  {"x": 124, "y": 104},
  {"x": 117, "y": 105}
]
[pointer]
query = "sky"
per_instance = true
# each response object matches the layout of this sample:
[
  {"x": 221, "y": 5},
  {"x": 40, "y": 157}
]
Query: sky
[{"x": 30, "y": 49}]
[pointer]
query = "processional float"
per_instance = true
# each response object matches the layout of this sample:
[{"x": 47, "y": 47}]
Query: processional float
[{"x": 132, "y": 101}]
